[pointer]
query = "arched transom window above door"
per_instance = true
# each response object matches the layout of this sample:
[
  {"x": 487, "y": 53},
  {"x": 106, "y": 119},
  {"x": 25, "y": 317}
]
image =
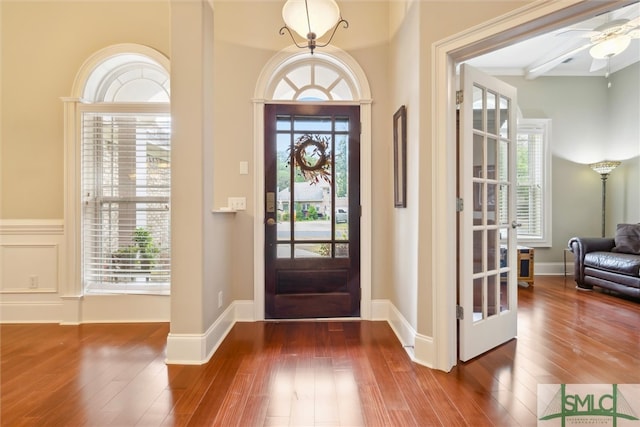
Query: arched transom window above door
[{"x": 313, "y": 79}]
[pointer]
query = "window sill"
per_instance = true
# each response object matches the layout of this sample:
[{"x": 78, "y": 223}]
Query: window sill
[{"x": 128, "y": 289}]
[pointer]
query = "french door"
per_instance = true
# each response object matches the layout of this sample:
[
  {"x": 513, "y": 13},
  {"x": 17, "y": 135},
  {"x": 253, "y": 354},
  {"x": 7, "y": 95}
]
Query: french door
[
  {"x": 487, "y": 288},
  {"x": 312, "y": 211}
]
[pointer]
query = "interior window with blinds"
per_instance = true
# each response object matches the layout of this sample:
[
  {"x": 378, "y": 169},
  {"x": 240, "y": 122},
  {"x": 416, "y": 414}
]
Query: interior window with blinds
[
  {"x": 533, "y": 182},
  {"x": 126, "y": 188}
]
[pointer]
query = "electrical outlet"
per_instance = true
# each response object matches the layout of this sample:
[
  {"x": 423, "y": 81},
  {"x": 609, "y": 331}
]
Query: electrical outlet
[
  {"x": 238, "y": 203},
  {"x": 219, "y": 299},
  {"x": 33, "y": 282}
]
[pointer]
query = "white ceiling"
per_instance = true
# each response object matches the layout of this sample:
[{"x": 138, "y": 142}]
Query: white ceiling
[{"x": 518, "y": 59}]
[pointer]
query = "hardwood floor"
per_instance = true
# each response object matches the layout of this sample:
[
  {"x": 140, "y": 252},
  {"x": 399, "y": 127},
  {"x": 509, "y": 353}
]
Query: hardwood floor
[{"x": 314, "y": 373}]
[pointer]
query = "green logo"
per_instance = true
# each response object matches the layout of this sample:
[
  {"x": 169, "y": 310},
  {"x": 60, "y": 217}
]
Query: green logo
[{"x": 588, "y": 404}]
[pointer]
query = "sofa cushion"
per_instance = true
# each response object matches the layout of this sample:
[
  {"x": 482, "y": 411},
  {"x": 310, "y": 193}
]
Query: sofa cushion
[
  {"x": 618, "y": 263},
  {"x": 627, "y": 239}
]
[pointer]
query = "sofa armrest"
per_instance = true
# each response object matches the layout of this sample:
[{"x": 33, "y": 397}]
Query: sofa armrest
[
  {"x": 591, "y": 244},
  {"x": 580, "y": 246}
]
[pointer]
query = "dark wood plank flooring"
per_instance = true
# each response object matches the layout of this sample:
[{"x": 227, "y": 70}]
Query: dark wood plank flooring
[{"x": 314, "y": 373}]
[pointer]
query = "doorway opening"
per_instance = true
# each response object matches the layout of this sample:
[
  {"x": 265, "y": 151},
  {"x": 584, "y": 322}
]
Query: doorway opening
[
  {"x": 529, "y": 21},
  {"x": 331, "y": 78}
]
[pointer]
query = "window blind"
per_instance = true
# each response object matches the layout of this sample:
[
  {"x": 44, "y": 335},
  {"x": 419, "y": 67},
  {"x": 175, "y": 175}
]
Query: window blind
[
  {"x": 529, "y": 183},
  {"x": 126, "y": 187}
]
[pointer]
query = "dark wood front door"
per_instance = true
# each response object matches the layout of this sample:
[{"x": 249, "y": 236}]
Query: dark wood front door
[{"x": 312, "y": 211}]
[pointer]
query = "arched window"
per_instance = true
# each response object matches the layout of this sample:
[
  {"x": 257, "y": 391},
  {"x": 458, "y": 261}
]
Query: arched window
[
  {"x": 127, "y": 78},
  {"x": 124, "y": 130},
  {"x": 313, "y": 82},
  {"x": 319, "y": 78}
]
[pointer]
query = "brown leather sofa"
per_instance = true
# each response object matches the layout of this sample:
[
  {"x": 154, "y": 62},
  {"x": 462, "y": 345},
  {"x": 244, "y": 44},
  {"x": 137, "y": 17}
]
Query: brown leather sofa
[{"x": 611, "y": 263}]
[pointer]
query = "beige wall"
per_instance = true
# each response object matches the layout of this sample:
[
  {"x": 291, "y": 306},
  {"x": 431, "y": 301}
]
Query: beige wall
[{"x": 43, "y": 46}]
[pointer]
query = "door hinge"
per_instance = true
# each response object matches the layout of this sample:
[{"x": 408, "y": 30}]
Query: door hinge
[
  {"x": 459, "y": 312},
  {"x": 459, "y": 97},
  {"x": 459, "y": 205}
]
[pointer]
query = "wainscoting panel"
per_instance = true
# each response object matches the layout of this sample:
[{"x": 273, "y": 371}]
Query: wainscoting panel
[
  {"x": 32, "y": 263},
  {"x": 29, "y": 268}
]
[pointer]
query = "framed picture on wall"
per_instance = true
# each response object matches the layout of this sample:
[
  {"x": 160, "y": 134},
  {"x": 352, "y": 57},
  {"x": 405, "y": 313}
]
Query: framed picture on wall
[{"x": 400, "y": 157}]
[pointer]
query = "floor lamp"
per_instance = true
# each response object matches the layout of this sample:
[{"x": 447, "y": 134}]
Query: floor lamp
[{"x": 604, "y": 168}]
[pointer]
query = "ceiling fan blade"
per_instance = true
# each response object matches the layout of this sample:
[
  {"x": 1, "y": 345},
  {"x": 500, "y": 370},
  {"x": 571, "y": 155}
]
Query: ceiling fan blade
[
  {"x": 597, "y": 64},
  {"x": 537, "y": 70},
  {"x": 577, "y": 32}
]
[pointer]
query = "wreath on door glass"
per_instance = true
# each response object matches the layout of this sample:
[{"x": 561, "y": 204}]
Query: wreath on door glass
[{"x": 311, "y": 155}]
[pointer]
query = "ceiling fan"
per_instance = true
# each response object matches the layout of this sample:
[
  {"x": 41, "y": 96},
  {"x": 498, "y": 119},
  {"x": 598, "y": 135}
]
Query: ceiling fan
[{"x": 605, "y": 41}]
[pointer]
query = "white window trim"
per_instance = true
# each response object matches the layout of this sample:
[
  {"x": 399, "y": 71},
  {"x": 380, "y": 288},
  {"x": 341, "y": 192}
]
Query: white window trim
[
  {"x": 543, "y": 126},
  {"x": 71, "y": 290}
]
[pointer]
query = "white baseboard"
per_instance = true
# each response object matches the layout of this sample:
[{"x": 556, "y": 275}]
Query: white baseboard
[
  {"x": 197, "y": 349},
  {"x": 424, "y": 353},
  {"x": 30, "y": 311},
  {"x": 243, "y": 311},
  {"x": 553, "y": 268},
  {"x": 419, "y": 347}
]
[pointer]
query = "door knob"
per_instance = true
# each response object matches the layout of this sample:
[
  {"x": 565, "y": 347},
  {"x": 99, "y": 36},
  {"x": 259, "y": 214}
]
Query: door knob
[
  {"x": 271, "y": 222},
  {"x": 515, "y": 224}
]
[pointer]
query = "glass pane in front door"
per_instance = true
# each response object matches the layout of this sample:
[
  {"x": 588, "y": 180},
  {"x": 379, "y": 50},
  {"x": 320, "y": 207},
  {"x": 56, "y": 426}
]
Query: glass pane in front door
[{"x": 312, "y": 186}]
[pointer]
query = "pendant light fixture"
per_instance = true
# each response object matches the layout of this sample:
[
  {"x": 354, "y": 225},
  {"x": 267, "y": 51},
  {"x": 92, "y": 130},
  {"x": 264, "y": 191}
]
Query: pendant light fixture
[{"x": 311, "y": 19}]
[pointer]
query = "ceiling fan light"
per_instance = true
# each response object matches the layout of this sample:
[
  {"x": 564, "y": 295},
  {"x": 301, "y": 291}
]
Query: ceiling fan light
[
  {"x": 610, "y": 47},
  {"x": 323, "y": 15}
]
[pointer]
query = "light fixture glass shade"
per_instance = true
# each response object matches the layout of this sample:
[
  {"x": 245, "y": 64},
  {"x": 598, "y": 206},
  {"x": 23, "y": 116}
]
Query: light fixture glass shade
[
  {"x": 610, "y": 47},
  {"x": 323, "y": 15},
  {"x": 604, "y": 167}
]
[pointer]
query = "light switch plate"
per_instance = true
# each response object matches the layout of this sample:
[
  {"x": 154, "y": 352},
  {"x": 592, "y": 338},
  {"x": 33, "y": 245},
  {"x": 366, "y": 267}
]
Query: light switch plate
[
  {"x": 244, "y": 168},
  {"x": 238, "y": 203}
]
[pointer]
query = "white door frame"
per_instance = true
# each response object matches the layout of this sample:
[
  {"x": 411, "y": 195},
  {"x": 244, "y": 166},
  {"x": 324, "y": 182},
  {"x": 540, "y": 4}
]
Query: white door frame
[
  {"x": 536, "y": 18},
  {"x": 360, "y": 83}
]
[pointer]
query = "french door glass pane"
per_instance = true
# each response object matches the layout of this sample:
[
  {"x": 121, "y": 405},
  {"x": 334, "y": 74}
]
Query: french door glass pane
[
  {"x": 478, "y": 299},
  {"x": 505, "y": 105},
  {"x": 478, "y": 243},
  {"x": 493, "y": 113},
  {"x": 492, "y": 294},
  {"x": 478, "y": 108}
]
